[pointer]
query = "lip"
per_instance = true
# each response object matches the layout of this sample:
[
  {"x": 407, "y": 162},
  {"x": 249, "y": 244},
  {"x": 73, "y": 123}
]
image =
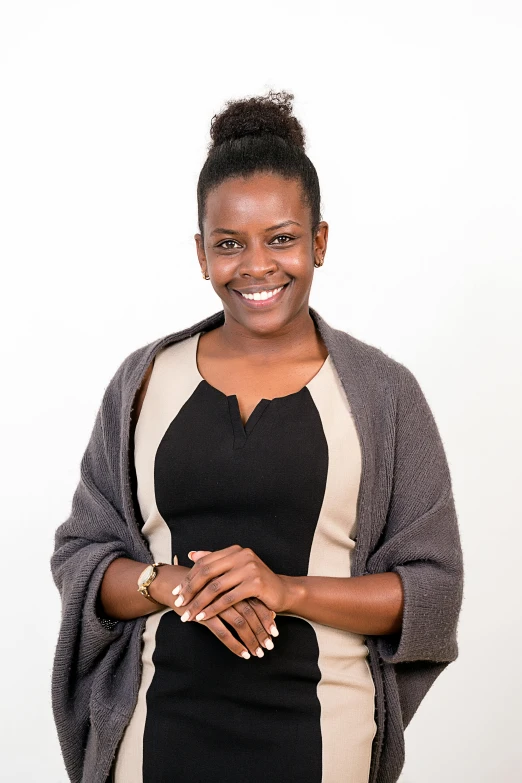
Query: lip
[{"x": 261, "y": 303}]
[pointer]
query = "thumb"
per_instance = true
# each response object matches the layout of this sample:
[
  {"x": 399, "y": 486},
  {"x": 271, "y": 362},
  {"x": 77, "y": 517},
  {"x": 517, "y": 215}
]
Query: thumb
[{"x": 195, "y": 554}]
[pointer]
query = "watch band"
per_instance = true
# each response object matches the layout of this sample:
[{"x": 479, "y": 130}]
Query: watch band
[{"x": 144, "y": 588}]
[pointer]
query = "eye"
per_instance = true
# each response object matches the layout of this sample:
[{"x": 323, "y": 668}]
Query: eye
[
  {"x": 222, "y": 244},
  {"x": 284, "y": 236}
]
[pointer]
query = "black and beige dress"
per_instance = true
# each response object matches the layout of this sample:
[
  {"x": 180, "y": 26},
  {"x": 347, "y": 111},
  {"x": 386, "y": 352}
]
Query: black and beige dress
[{"x": 286, "y": 485}]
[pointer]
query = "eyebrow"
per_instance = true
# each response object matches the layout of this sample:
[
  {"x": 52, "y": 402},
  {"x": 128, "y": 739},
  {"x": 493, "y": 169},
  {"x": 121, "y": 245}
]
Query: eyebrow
[{"x": 270, "y": 228}]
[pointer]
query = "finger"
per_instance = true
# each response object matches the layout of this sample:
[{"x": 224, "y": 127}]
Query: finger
[
  {"x": 220, "y": 630},
  {"x": 222, "y": 584},
  {"x": 225, "y": 601},
  {"x": 265, "y": 615},
  {"x": 235, "y": 618},
  {"x": 216, "y": 552},
  {"x": 197, "y": 554},
  {"x": 206, "y": 569},
  {"x": 248, "y": 611}
]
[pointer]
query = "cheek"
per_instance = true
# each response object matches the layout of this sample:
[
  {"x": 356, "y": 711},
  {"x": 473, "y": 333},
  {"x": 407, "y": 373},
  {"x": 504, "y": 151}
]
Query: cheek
[
  {"x": 300, "y": 267},
  {"x": 223, "y": 270}
]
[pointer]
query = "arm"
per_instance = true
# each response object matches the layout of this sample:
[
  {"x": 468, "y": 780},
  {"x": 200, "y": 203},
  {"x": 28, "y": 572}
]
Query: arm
[
  {"x": 420, "y": 552},
  {"x": 119, "y": 597},
  {"x": 94, "y": 535},
  {"x": 421, "y": 540},
  {"x": 370, "y": 604}
]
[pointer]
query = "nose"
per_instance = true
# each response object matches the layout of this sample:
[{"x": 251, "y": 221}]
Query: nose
[{"x": 257, "y": 262}]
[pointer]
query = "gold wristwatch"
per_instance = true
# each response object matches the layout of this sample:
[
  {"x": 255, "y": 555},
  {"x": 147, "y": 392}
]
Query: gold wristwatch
[{"x": 147, "y": 576}]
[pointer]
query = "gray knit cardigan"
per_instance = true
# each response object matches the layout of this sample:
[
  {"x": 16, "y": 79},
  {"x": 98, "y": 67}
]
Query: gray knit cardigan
[{"x": 406, "y": 522}]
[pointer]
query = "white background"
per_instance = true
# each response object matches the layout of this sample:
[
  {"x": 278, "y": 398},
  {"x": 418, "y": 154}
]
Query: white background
[{"x": 413, "y": 119}]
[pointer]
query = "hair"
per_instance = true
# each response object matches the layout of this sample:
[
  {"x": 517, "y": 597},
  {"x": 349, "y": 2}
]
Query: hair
[{"x": 259, "y": 134}]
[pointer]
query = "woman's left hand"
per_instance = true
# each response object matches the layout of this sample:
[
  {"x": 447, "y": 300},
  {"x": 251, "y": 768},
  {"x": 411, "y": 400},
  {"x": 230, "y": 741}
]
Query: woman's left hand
[{"x": 233, "y": 574}]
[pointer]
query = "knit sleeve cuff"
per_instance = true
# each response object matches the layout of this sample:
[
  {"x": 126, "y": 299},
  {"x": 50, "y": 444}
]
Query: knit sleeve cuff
[{"x": 428, "y": 626}]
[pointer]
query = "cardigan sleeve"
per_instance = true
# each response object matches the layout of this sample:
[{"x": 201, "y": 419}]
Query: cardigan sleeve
[
  {"x": 421, "y": 540},
  {"x": 94, "y": 534}
]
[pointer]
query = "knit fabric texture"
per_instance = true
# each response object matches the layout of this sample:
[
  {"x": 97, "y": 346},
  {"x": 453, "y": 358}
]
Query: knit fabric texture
[{"x": 406, "y": 522}]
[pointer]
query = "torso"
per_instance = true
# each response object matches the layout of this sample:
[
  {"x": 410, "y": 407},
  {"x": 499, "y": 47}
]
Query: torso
[{"x": 286, "y": 484}]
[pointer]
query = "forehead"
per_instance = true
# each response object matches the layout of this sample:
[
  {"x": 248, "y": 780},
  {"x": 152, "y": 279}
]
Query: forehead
[{"x": 255, "y": 199}]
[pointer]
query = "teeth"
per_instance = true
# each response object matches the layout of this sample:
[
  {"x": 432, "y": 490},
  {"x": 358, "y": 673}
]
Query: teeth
[{"x": 263, "y": 294}]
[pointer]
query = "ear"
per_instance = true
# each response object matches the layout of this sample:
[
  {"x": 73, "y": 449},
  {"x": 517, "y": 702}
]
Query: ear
[{"x": 200, "y": 251}]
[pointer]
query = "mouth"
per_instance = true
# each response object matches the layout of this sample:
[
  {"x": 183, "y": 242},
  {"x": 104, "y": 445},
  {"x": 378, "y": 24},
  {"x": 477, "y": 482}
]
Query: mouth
[{"x": 262, "y": 299}]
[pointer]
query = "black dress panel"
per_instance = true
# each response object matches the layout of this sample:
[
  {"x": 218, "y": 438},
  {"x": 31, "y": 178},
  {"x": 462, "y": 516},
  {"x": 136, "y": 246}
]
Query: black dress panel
[{"x": 217, "y": 484}]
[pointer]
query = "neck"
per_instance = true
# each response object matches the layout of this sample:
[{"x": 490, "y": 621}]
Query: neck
[{"x": 296, "y": 338}]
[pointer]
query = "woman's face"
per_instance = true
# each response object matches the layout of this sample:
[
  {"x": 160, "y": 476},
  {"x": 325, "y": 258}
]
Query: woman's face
[{"x": 257, "y": 237}]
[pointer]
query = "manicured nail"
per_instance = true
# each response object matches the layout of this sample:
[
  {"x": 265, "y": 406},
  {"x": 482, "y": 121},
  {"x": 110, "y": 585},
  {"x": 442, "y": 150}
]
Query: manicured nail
[
  {"x": 245, "y": 655},
  {"x": 190, "y": 554},
  {"x": 274, "y": 631},
  {"x": 269, "y": 644},
  {"x": 259, "y": 652},
  {"x": 200, "y": 616},
  {"x": 176, "y": 590},
  {"x": 185, "y": 617},
  {"x": 179, "y": 601}
]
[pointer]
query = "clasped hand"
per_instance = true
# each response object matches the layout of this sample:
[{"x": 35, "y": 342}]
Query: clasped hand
[{"x": 222, "y": 578}]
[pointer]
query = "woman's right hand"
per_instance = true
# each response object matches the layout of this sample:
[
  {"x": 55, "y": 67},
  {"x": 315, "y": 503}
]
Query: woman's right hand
[{"x": 251, "y": 618}]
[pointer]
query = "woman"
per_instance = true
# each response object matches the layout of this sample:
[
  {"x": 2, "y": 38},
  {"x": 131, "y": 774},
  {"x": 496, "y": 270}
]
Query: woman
[{"x": 258, "y": 487}]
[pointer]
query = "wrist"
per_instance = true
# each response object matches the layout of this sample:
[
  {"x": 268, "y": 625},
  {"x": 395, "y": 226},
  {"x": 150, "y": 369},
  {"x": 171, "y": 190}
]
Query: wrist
[
  {"x": 295, "y": 593},
  {"x": 167, "y": 578}
]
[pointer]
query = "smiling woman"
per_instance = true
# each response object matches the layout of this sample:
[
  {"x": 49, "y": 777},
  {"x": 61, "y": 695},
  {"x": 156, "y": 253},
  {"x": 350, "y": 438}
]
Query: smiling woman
[{"x": 259, "y": 486}]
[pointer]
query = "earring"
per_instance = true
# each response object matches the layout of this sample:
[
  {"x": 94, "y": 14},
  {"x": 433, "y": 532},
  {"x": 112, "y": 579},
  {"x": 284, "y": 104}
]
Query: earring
[
  {"x": 318, "y": 265},
  {"x": 206, "y": 277}
]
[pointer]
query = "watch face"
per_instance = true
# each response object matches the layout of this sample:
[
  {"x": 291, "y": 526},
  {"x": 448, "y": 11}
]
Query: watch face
[{"x": 145, "y": 574}]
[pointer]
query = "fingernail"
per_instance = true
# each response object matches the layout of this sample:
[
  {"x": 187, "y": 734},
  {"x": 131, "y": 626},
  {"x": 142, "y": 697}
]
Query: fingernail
[
  {"x": 269, "y": 644},
  {"x": 200, "y": 616},
  {"x": 259, "y": 652},
  {"x": 179, "y": 601},
  {"x": 245, "y": 655},
  {"x": 190, "y": 554},
  {"x": 274, "y": 631},
  {"x": 176, "y": 590},
  {"x": 185, "y": 617}
]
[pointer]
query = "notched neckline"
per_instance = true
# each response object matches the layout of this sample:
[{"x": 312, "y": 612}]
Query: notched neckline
[{"x": 243, "y": 430}]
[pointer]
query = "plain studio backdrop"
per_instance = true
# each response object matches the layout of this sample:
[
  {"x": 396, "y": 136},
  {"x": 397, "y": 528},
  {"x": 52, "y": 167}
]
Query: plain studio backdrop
[{"x": 413, "y": 119}]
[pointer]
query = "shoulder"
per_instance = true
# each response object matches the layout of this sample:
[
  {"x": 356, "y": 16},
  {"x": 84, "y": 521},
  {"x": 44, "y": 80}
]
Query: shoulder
[
  {"x": 135, "y": 369},
  {"x": 374, "y": 367},
  {"x": 379, "y": 386},
  {"x": 387, "y": 382}
]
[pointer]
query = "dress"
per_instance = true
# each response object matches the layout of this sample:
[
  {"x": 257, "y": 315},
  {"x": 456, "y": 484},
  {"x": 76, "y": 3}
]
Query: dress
[{"x": 286, "y": 485}]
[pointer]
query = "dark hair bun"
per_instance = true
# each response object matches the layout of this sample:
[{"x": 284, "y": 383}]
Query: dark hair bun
[{"x": 259, "y": 116}]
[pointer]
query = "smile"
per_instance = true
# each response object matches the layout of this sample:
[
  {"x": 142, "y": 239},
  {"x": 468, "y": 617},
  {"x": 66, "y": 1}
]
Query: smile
[{"x": 262, "y": 298}]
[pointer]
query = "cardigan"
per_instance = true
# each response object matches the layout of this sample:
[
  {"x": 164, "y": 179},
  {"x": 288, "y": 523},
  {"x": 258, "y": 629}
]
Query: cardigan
[{"x": 406, "y": 523}]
